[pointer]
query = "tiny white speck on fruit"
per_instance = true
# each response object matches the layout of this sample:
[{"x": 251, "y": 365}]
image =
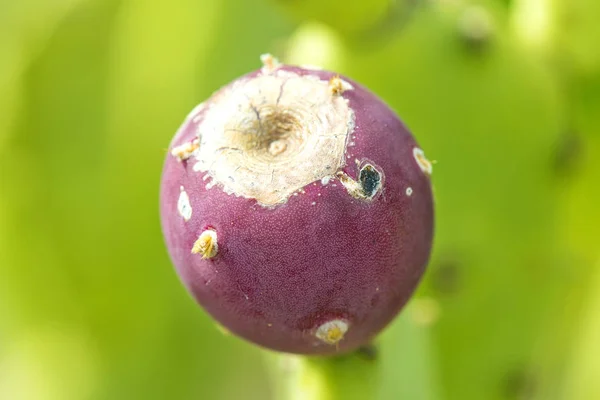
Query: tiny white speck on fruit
[
  {"x": 326, "y": 179},
  {"x": 422, "y": 161},
  {"x": 409, "y": 191},
  {"x": 183, "y": 205},
  {"x": 206, "y": 244},
  {"x": 269, "y": 62},
  {"x": 331, "y": 332},
  {"x": 313, "y": 203}
]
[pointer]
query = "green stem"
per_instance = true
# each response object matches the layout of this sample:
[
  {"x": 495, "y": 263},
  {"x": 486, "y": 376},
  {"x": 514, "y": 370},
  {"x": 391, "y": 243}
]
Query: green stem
[
  {"x": 399, "y": 368},
  {"x": 347, "y": 377}
]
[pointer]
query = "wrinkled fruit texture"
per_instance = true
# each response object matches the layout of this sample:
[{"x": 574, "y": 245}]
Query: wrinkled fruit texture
[{"x": 297, "y": 209}]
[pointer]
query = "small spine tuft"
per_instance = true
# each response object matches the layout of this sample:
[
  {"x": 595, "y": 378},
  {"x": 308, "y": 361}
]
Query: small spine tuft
[
  {"x": 338, "y": 86},
  {"x": 185, "y": 151},
  {"x": 332, "y": 332},
  {"x": 206, "y": 244},
  {"x": 269, "y": 63},
  {"x": 422, "y": 161}
]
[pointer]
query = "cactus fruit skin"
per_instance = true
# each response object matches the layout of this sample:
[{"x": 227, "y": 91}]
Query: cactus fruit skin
[{"x": 318, "y": 271}]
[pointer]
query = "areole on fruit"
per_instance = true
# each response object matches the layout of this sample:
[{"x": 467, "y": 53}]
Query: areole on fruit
[
  {"x": 206, "y": 245},
  {"x": 331, "y": 332},
  {"x": 286, "y": 209}
]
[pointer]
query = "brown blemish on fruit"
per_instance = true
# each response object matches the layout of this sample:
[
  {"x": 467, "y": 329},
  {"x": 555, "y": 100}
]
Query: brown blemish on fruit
[
  {"x": 185, "y": 151},
  {"x": 422, "y": 161},
  {"x": 332, "y": 332},
  {"x": 368, "y": 185},
  {"x": 206, "y": 244},
  {"x": 267, "y": 137},
  {"x": 338, "y": 86}
]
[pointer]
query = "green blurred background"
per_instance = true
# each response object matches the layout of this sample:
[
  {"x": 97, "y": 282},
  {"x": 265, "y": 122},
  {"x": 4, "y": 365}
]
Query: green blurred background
[{"x": 504, "y": 95}]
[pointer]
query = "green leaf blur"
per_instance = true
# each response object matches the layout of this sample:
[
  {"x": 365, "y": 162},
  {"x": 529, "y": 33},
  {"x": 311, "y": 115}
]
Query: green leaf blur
[{"x": 504, "y": 95}]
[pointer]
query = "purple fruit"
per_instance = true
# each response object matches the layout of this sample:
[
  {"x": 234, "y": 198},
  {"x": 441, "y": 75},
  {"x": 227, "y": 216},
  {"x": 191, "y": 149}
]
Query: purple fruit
[{"x": 297, "y": 209}]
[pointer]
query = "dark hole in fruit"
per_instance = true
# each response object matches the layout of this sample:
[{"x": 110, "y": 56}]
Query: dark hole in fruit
[{"x": 370, "y": 179}]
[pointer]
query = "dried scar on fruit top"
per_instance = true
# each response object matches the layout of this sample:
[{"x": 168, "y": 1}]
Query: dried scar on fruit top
[{"x": 268, "y": 136}]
